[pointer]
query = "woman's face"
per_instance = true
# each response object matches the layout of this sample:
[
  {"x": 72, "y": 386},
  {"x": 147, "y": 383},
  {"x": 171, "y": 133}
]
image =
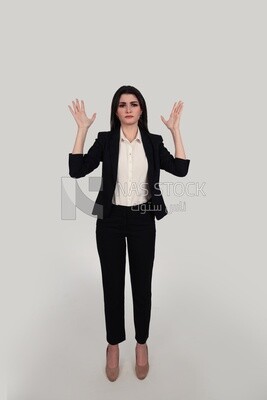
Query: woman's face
[{"x": 129, "y": 110}]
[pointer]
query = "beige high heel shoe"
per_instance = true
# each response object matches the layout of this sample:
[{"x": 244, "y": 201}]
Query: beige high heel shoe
[
  {"x": 141, "y": 370},
  {"x": 112, "y": 373}
]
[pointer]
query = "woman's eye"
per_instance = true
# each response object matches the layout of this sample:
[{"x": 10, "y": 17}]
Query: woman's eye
[{"x": 133, "y": 105}]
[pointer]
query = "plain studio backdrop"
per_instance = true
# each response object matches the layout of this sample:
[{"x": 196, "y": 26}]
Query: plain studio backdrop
[{"x": 208, "y": 324}]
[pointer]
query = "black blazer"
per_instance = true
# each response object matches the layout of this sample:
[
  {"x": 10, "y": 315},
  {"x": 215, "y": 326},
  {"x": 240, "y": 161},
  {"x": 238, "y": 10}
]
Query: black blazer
[{"x": 106, "y": 149}]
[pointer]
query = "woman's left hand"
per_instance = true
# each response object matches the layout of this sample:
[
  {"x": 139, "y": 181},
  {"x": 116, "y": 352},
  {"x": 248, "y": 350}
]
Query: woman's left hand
[{"x": 174, "y": 119}]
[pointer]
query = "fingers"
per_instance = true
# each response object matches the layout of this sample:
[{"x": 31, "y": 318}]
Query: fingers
[
  {"x": 179, "y": 104},
  {"x": 71, "y": 110},
  {"x": 177, "y": 107},
  {"x": 163, "y": 119},
  {"x": 76, "y": 105}
]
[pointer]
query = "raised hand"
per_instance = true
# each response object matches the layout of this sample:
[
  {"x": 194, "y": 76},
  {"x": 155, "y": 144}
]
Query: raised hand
[
  {"x": 175, "y": 115},
  {"x": 80, "y": 116}
]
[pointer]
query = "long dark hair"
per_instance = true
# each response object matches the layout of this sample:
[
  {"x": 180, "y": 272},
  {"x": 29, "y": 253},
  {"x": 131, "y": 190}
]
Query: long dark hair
[{"x": 114, "y": 120}]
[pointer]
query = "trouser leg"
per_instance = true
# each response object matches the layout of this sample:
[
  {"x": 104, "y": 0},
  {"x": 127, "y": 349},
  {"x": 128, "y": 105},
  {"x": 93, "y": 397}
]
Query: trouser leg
[
  {"x": 141, "y": 249},
  {"x": 111, "y": 248}
]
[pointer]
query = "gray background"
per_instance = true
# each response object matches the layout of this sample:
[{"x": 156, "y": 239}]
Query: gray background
[{"x": 208, "y": 324}]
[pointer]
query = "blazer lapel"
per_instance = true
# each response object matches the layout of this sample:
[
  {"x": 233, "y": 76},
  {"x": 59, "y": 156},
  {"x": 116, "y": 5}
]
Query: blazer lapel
[
  {"x": 148, "y": 147},
  {"x": 114, "y": 152}
]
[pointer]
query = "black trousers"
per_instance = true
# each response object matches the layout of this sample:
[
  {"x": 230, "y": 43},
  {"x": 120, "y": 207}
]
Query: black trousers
[{"x": 137, "y": 224}]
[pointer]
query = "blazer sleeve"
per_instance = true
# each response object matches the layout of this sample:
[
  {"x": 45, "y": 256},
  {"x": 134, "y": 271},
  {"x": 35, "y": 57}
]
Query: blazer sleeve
[
  {"x": 82, "y": 164},
  {"x": 174, "y": 165}
]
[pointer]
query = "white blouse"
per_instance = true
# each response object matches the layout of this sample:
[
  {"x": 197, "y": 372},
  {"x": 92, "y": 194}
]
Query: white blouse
[{"x": 132, "y": 182}]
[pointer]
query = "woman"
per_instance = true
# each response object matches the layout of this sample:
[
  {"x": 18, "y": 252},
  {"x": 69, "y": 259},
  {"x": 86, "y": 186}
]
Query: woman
[{"x": 127, "y": 204}]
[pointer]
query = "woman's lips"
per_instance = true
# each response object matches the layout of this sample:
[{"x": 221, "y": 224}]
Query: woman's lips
[{"x": 129, "y": 116}]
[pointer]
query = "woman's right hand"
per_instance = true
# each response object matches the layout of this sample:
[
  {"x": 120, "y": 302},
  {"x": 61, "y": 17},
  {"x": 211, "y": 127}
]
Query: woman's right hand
[{"x": 80, "y": 116}]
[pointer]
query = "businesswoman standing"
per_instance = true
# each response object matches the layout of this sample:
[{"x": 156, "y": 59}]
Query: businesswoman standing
[{"x": 127, "y": 204}]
